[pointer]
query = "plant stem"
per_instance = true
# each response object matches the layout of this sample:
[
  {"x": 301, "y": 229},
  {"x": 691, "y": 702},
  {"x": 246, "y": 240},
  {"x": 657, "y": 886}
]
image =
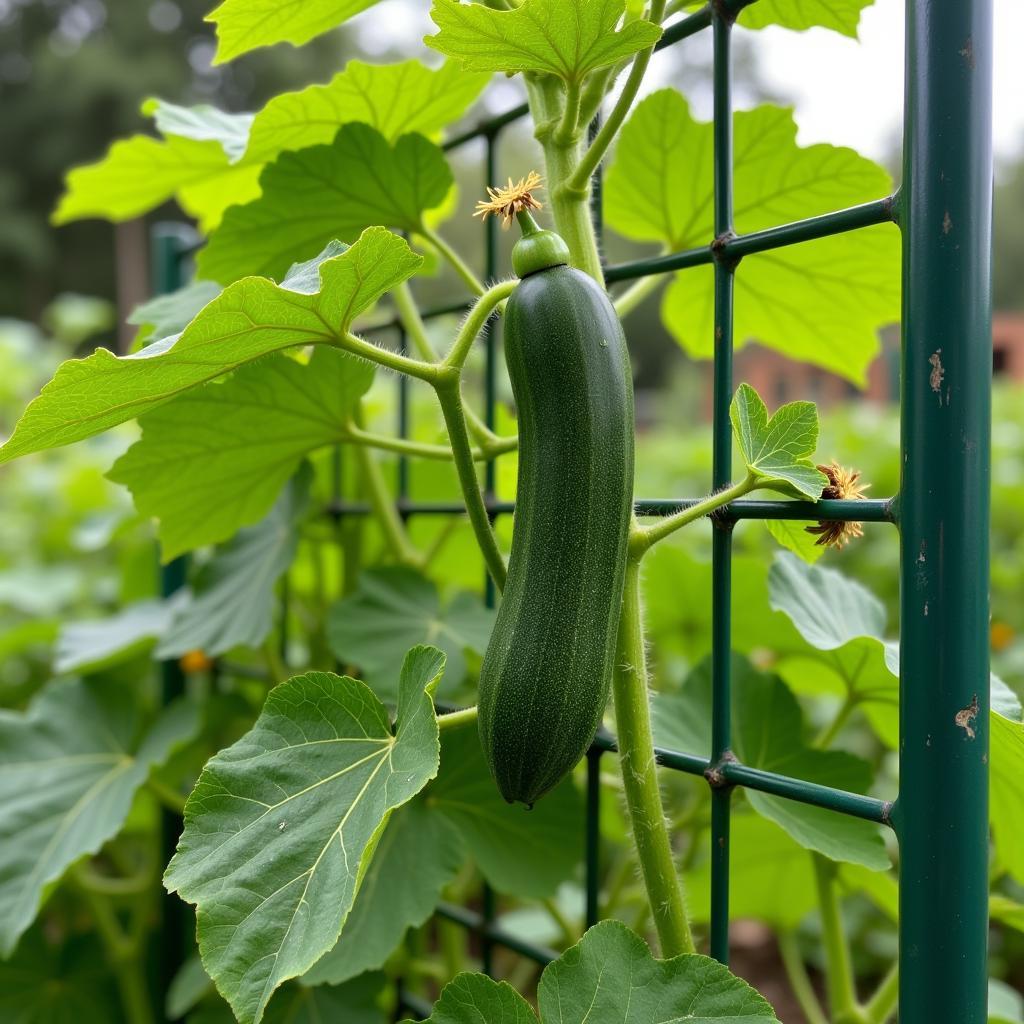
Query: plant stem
[
  {"x": 829, "y": 733},
  {"x": 401, "y": 445},
  {"x": 570, "y": 207},
  {"x": 566, "y": 134},
  {"x": 636, "y": 293},
  {"x": 570, "y": 935},
  {"x": 839, "y": 982},
  {"x": 455, "y": 260},
  {"x": 799, "y": 980},
  {"x": 449, "y": 394},
  {"x": 881, "y": 1006},
  {"x": 475, "y": 321},
  {"x": 168, "y": 797},
  {"x": 384, "y": 357},
  {"x": 613, "y": 122},
  {"x": 454, "y": 719},
  {"x": 276, "y": 668},
  {"x": 640, "y": 779},
  {"x": 131, "y": 984},
  {"x": 643, "y": 538}
]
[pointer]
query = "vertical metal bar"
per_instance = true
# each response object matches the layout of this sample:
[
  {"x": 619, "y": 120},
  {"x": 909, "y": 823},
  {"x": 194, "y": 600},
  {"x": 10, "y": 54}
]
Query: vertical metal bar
[
  {"x": 592, "y": 849},
  {"x": 721, "y": 551},
  {"x": 169, "y": 245},
  {"x": 942, "y": 812}
]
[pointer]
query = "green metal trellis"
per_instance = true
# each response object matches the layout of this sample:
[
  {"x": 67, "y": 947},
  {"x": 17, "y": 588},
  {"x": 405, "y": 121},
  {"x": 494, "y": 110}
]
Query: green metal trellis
[{"x": 943, "y": 210}]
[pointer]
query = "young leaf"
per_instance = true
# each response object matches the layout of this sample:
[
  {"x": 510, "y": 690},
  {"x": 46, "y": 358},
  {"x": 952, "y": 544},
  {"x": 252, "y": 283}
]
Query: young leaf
[
  {"x": 610, "y": 975},
  {"x": 778, "y": 450},
  {"x": 793, "y": 536},
  {"x": 681, "y": 723},
  {"x": 215, "y": 458},
  {"x": 325, "y": 192},
  {"x": 69, "y": 768},
  {"x": 396, "y": 99},
  {"x": 251, "y": 318},
  {"x": 822, "y": 301},
  {"x": 233, "y": 605},
  {"x": 839, "y": 15},
  {"x": 567, "y": 38},
  {"x": 244, "y": 25},
  {"x": 282, "y": 825},
  {"x": 393, "y": 608},
  {"x": 204, "y": 123}
]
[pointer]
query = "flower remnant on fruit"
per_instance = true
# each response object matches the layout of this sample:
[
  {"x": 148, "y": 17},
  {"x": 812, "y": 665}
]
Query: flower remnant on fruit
[
  {"x": 508, "y": 201},
  {"x": 842, "y": 483}
]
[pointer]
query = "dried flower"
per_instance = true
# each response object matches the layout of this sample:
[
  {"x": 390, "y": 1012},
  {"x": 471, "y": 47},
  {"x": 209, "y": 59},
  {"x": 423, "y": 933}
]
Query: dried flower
[
  {"x": 195, "y": 661},
  {"x": 507, "y": 202},
  {"x": 842, "y": 483}
]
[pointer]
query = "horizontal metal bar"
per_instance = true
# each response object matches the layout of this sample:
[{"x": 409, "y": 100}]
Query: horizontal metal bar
[
  {"x": 852, "y": 804},
  {"x": 488, "y": 128},
  {"x": 865, "y": 510},
  {"x": 499, "y": 936},
  {"x": 880, "y": 211}
]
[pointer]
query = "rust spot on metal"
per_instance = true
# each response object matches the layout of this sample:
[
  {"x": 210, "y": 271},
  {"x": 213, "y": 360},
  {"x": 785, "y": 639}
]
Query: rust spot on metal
[
  {"x": 967, "y": 52},
  {"x": 887, "y": 812},
  {"x": 715, "y": 775},
  {"x": 938, "y": 371},
  {"x": 947, "y": 223},
  {"x": 965, "y": 717},
  {"x": 921, "y": 553}
]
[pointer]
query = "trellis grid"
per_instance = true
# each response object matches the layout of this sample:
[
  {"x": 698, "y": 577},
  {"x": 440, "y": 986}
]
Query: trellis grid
[{"x": 943, "y": 210}]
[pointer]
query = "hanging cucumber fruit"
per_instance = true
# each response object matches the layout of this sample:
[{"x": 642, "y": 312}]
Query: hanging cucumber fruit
[{"x": 545, "y": 678}]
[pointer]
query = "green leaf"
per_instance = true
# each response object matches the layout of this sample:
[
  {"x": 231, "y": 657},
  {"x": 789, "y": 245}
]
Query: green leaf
[
  {"x": 525, "y": 853},
  {"x": 610, "y": 975},
  {"x": 91, "y": 645},
  {"x": 770, "y": 876},
  {"x": 681, "y": 722},
  {"x": 1005, "y": 1004},
  {"x": 69, "y": 768},
  {"x": 418, "y": 855},
  {"x": 778, "y": 450},
  {"x": 171, "y": 313},
  {"x": 793, "y": 536},
  {"x": 356, "y": 1002},
  {"x": 821, "y": 302},
  {"x": 204, "y": 123},
  {"x": 281, "y": 826},
  {"x": 215, "y": 458},
  {"x": 244, "y": 25},
  {"x": 325, "y": 192},
  {"x": 393, "y": 98},
  {"x": 234, "y": 601},
  {"x": 1006, "y": 807},
  {"x": 567, "y": 38},
  {"x": 839, "y": 15},
  {"x": 251, "y": 318},
  {"x": 139, "y": 173},
  {"x": 394, "y": 608}
]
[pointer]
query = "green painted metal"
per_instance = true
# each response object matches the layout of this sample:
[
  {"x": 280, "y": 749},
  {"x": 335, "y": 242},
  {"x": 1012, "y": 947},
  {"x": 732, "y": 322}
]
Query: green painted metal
[
  {"x": 944, "y": 212},
  {"x": 941, "y": 815}
]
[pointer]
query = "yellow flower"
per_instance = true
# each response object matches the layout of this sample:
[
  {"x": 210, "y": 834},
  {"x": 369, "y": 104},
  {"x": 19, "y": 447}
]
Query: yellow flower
[
  {"x": 507, "y": 202},
  {"x": 842, "y": 483}
]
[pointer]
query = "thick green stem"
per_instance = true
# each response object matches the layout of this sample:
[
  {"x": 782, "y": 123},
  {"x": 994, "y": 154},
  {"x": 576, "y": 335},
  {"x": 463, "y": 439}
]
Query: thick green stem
[
  {"x": 643, "y": 538},
  {"x": 455, "y": 719},
  {"x": 475, "y": 321},
  {"x": 131, "y": 984},
  {"x": 403, "y": 446},
  {"x": 839, "y": 980},
  {"x": 473, "y": 283},
  {"x": 383, "y": 357},
  {"x": 449, "y": 394},
  {"x": 570, "y": 207},
  {"x": 882, "y": 1005},
  {"x": 613, "y": 122},
  {"x": 640, "y": 778},
  {"x": 799, "y": 981}
]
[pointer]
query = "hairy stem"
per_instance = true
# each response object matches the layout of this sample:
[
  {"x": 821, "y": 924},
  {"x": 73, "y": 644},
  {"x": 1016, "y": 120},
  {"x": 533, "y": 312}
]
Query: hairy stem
[
  {"x": 454, "y": 719},
  {"x": 449, "y": 394},
  {"x": 403, "y": 446},
  {"x": 613, "y": 122},
  {"x": 384, "y": 357},
  {"x": 475, "y": 321},
  {"x": 839, "y": 981},
  {"x": 454, "y": 259},
  {"x": 640, "y": 779},
  {"x": 799, "y": 980}
]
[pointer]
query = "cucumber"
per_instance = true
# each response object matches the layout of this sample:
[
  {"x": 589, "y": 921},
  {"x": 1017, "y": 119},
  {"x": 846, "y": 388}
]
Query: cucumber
[{"x": 546, "y": 675}]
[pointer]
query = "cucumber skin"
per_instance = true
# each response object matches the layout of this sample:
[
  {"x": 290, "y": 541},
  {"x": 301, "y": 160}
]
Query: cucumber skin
[{"x": 546, "y": 675}]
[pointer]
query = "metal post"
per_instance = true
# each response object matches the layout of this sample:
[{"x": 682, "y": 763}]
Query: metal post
[{"x": 942, "y": 812}]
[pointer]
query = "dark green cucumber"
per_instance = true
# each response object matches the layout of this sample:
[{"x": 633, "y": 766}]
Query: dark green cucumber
[{"x": 546, "y": 675}]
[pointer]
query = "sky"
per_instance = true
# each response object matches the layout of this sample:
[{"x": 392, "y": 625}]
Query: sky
[{"x": 846, "y": 91}]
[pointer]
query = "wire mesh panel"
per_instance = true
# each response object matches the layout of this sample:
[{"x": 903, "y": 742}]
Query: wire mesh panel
[{"x": 943, "y": 210}]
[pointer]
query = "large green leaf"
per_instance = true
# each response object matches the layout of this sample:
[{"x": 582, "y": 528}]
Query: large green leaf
[
  {"x": 234, "y": 599},
  {"x": 525, "y": 853},
  {"x": 568, "y": 38},
  {"x": 324, "y": 192},
  {"x": 610, "y": 976},
  {"x": 1005, "y": 1004},
  {"x": 822, "y": 301},
  {"x": 777, "y": 450},
  {"x": 171, "y": 313},
  {"x": 768, "y": 733},
  {"x": 839, "y": 15},
  {"x": 244, "y": 25},
  {"x": 418, "y": 855},
  {"x": 281, "y": 826},
  {"x": 214, "y": 459},
  {"x": 69, "y": 768},
  {"x": 140, "y": 173},
  {"x": 204, "y": 123},
  {"x": 393, "y": 608},
  {"x": 393, "y": 98},
  {"x": 1006, "y": 806},
  {"x": 254, "y": 317}
]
